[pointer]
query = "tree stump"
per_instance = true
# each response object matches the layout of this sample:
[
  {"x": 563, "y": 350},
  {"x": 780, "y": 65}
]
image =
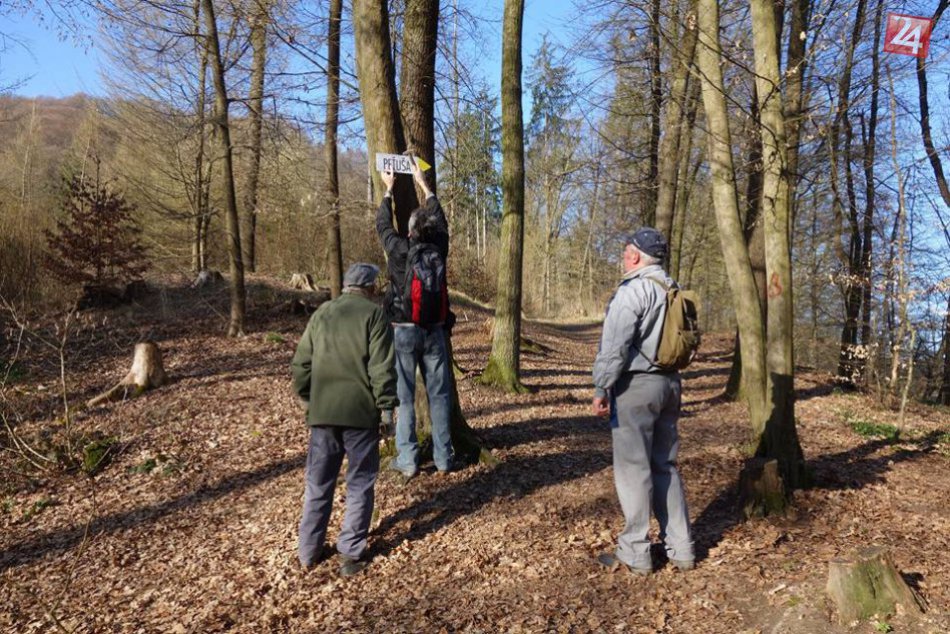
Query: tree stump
[
  {"x": 147, "y": 372},
  {"x": 868, "y": 584},
  {"x": 99, "y": 296},
  {"x": 207, "y": 278},
  {"x": 302, "y": 282},
  {"x": 136, "y": 290},
  {"x": 761, "y": 490}
]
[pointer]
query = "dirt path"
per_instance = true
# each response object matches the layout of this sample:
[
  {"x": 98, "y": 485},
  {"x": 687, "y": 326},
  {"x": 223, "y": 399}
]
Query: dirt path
[{"x": 193, "y": 527}]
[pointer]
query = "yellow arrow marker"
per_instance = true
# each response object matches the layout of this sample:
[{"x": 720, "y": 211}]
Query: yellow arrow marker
[{"x": 422, "y": 164}]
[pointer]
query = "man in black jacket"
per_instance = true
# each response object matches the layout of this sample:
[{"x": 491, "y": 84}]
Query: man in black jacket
[{"x": 416, "y": 346}]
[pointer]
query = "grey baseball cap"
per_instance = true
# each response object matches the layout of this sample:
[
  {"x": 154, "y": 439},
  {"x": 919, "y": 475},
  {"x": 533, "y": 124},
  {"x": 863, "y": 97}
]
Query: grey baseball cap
[{"x": 361, "y": 274}]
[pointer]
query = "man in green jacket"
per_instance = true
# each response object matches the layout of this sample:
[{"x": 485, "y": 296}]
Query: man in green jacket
[{"x": 344, "y": 370}]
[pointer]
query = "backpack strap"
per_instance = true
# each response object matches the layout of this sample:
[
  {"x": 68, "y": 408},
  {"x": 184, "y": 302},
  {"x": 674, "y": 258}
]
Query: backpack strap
[
  {"x": 662, "y": 284},
  {"x": 665, "y": 289}
]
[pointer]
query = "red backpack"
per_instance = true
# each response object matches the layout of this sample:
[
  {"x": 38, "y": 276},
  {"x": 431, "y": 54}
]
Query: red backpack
[{"x": 426, "y": 293}]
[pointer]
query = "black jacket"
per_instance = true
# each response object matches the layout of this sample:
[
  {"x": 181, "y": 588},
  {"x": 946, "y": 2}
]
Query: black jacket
[{"x": 397, "y": 250}]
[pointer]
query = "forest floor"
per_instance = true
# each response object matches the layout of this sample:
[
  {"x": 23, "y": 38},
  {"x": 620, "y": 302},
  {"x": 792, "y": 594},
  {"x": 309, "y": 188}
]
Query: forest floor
[{"x": 192, "y": 526}]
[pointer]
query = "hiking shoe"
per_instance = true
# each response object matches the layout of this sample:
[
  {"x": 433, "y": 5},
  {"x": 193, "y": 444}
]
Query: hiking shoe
[
  {"x": 610, "y": 562},
  {"x": 403, "y": 475},
  {"x": 683, "y": 564},
  {"x": 325, "y": 553},
  {"x": 444, "y": 472},
  {"x": 350, "y": 566}
]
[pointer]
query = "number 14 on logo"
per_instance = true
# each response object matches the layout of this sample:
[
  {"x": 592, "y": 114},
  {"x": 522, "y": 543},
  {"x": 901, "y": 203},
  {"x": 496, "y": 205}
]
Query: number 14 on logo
[{"x": 907, "y": 35}]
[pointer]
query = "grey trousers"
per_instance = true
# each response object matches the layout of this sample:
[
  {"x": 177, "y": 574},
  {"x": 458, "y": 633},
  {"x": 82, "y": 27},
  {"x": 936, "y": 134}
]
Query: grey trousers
[
  {"x": 328, "y": 445},
  {"x": 645, "y": 443}
]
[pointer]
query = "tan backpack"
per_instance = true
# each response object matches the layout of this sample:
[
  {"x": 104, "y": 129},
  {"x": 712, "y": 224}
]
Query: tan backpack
[{"x": 680, "y": 337}]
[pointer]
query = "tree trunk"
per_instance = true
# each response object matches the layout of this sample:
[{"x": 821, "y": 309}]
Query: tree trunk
[
  {"x": 945, "y": 378},
  {"x": 383, "y": 122},
  {"x": 686, "y": 180},
  {"x": 147, "y": 372},
  {"x": 676, "y": 114},
  {"x": 417, "y": 81},
  {"x": 780, "y": 437},
  {"x": 940, "y": 176},
  {"x": 332, "y": 186},
  {"x": 754, "y": 237},
  {"x": 851, "y": 258},
  {"x": 656, "y": 106},
  {"x": 722, "y": 173},
  {"x": 869, "y": 141},
  {"x": 794, "y": 91},
  {"x": 255, "y": 104},
  {"x": 222, "y": 123},
  {"x": 925, "y": 133},
  {"x": 504, "y": 363},
  {"x": 868, "y": 584},
  {"x": 384, "y": 133},
  {"x": 198, "y": 262}
]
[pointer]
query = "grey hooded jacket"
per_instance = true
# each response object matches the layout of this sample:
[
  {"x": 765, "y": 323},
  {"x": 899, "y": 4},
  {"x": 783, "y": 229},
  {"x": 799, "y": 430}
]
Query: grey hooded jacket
[{"x": 632, "y": 327}]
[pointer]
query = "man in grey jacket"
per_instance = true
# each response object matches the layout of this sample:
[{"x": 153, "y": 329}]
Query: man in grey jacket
[{"x": 643, "y": 402}]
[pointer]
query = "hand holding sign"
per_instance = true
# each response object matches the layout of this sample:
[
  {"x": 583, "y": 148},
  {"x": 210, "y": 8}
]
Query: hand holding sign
[
  {"x": 398, "y": 163},
  {"x": 389, "y": 179}
]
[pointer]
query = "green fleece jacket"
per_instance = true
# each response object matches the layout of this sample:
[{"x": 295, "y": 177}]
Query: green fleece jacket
[{"x": 344, "y": 365}]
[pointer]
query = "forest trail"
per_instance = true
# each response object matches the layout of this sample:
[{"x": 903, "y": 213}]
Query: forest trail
[{"x": 193, "y": 527}]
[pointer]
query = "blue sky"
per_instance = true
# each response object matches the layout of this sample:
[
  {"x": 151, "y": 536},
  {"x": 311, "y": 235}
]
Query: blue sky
[{"x": 57, "y": 67}]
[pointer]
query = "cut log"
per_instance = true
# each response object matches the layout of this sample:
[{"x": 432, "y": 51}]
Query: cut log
[
  {"x": 302, "y": 282},
  {"x": 207, "y": 278},
  {"x": 761, "y": 490},
  {"x": 868, "y": 584},
  {"x": 147, "y": 372}
]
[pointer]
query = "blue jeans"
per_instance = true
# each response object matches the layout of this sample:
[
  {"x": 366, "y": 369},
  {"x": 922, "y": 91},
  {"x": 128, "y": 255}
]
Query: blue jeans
[{"x": 423, "y": 348}]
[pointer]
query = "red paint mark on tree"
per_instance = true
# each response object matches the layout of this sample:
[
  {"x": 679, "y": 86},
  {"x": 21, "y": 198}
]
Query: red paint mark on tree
[{"x": 775, "y": 286}]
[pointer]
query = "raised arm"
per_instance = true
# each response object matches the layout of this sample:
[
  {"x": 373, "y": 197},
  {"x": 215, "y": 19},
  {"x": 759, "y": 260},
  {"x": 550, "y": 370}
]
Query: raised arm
[
  {"x": 384, "y": 217},
  {"x": 434, "y": 209}
]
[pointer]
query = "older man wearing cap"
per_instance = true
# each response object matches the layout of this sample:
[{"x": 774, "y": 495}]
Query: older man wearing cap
[
  {"x": 344, "y": 371},
  {"x": 643, "y": 402}
]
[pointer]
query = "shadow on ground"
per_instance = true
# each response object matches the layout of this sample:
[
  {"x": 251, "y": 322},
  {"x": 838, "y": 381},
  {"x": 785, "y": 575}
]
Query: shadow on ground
[
  {"x": 58, "y": 541},
  {"x": 852, "y": 469}
]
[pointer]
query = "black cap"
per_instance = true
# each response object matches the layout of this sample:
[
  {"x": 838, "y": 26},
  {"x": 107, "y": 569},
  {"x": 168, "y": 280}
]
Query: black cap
[
  {"x": 650, "y": 241},
  {"x": 361, "y": 274}
]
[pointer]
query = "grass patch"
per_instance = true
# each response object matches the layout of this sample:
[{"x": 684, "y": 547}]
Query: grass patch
[
  {"x": 273, "y": 337},
  {"x": 38, "y": 507},
  {"x": 870, "y": 429},
  {"x": 882, "y": 626},
  {"x": 97, "y": 454},
  {"x": 943, "y": 443},
  {"x": 161, "y": 464},
  {"x": 11, "y": 372},
  {"x": 146, "y": 466}
]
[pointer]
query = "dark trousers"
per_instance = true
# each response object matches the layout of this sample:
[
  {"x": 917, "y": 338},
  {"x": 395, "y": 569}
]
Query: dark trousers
[{"x": 328, "y": 445}]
